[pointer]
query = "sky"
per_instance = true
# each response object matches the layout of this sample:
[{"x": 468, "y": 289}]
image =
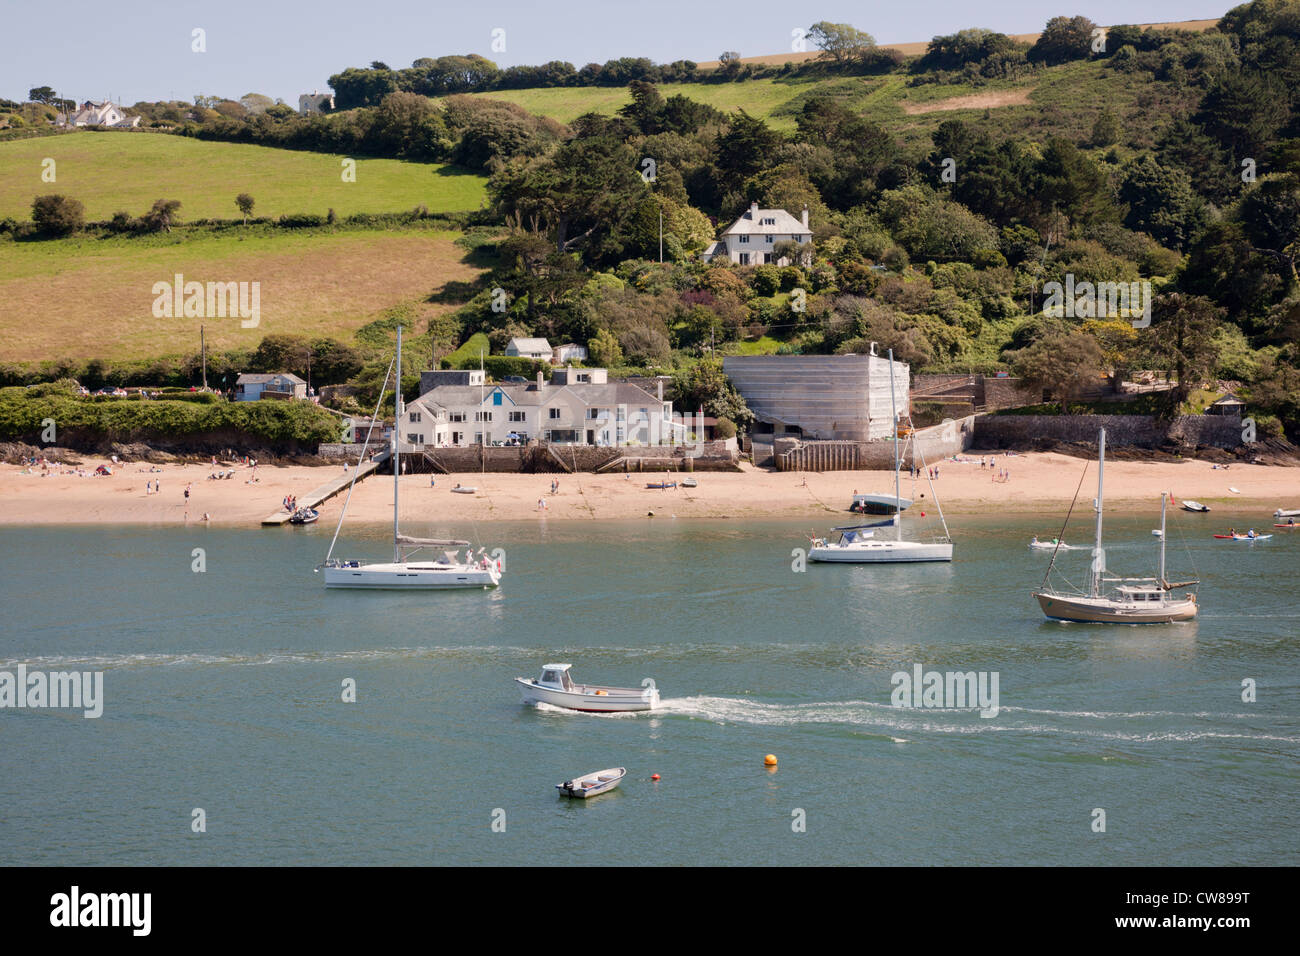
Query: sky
[{"x": 135, "y": 50}]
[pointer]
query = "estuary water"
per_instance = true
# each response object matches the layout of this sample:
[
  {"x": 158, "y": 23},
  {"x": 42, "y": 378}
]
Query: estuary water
[{"x": 223, "y": 692}]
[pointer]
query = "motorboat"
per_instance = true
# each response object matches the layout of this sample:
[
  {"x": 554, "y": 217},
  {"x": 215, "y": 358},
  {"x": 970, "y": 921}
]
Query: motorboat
[
  {"x": 304, "y": 516},
  {"x": 556, "y": 687},
  {"x": 1196, "y": 506},
  {"x": 873, "y": 504},
  {"x": 592, "y": 784},
  {"x": 1053, "y": 545},
  {"x": 1133, "y": 600},
  {"x": 402, "y": 574},
  {"x": 465, "y": 489},
  {"x": 1287, "y": 513},
  {"x": 661, "y": 485},
  {"x": 689, "y": 483}
]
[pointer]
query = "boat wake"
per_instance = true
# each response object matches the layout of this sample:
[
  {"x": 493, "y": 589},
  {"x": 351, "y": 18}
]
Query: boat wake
[{"x": 885, "y": 720}]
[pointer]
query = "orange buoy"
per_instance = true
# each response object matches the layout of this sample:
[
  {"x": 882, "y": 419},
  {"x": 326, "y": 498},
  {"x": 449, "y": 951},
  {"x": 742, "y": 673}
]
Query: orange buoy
[
  {"x": 654, "y": 776},
  {"x": 769, "y": 760}
]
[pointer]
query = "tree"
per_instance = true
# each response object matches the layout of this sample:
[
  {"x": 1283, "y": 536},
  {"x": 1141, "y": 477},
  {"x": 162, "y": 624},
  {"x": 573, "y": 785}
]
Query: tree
[
  {"x": 705, "y": 385},
  {"x": 1106, "y": 130},
  {"x": 1181, "y": 337},
  {"x": 162, "y": 215},
  {"x": 604, "y": 349},
  {"x": 57, "y": 215},
  {"x": 245, "y": 203},
  {"x": 840, "y": 41},
  {"x": 42, "y": 94},
  {"x": 1061, "y": 361},
  {"x": 1062, "y": 40},
  {"x": 1160, "y": 201}
]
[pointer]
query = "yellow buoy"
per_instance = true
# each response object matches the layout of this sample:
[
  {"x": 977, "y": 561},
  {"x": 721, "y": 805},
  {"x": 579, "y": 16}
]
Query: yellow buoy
[{"x": 769, "y": 760}]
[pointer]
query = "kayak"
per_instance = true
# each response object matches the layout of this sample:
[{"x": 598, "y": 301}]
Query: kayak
[{"x": 1244, "y": 537}]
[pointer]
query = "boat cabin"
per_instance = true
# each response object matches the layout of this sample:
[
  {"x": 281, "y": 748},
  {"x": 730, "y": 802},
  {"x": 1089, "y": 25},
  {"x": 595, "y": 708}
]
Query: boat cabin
[
  {"x": 557, "y": 677},
  {"x": 1141, "y": 595}
]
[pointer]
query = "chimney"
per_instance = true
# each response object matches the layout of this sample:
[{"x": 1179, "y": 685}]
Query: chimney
[
  {"x": 539, "y": 381},
  {"x": 805, "y": 215},
  {"x": 753, "y": 211},
  {"x": 661, "y": 391}
]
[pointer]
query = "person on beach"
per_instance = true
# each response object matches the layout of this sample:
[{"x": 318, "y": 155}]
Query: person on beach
[{"x": 433, "y": 481}]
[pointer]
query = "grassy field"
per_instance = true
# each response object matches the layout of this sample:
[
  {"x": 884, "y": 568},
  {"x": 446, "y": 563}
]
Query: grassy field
[
  {"x": 112, "y": 171},
  {"x": 94, "y": 297},
  {"x": 1061, "y": 100}
]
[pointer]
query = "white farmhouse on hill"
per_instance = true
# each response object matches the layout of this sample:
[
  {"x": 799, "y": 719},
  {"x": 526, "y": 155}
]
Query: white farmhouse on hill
[
  {"x": 91, "y": 113},
  {"x": 315, "y": 102},
  {"x": 538, "y": 349},
  {"x": 752, "y": 239}
]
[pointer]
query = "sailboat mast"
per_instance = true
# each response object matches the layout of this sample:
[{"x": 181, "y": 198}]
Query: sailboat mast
[
  {"x": 397, "y": 424},
  {"x": 893, "y": 423},
  {"x": 1164, "y": 501},
  {"x": 1098, "y": 558}
]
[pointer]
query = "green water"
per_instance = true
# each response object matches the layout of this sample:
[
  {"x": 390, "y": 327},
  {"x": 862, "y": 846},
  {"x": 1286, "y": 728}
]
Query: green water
[{"x": 223, "y": 692}]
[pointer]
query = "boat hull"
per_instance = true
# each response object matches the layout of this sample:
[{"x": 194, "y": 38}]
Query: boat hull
[
  {"x": 574, "y": 788},
  {"x": 882, "y": 552},
  {"x": 1086, "y": 610},
  {"x": 412, "y": 576},
  {"x": 614, "y": 700},
  {"x": 879, "y": 504}
]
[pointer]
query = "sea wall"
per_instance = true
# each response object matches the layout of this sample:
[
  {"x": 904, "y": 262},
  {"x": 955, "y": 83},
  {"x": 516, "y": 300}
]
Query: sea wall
[
  {"x": 927, "y": 445},
  {"x": 1138, "y": 431}
]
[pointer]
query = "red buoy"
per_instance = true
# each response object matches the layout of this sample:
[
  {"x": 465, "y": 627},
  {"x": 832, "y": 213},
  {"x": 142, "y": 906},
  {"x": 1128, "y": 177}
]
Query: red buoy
[{"x": 654, "y": 776}]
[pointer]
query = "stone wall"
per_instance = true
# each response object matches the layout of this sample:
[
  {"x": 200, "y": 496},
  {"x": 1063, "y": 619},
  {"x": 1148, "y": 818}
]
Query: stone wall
[
  {"x": 928, "y": 445},
  {"x": 1138, "y": 431}
]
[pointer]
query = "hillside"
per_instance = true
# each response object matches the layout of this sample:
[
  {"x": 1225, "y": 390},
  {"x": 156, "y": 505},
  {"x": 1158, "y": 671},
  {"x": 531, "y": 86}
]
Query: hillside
[
  {"x": 94, "y": 296},
  {"x": 112, "y": 171}
]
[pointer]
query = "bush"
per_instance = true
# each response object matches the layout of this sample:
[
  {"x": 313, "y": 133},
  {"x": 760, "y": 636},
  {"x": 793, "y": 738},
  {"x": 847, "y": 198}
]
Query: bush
[{"x": 725, "y": 429}]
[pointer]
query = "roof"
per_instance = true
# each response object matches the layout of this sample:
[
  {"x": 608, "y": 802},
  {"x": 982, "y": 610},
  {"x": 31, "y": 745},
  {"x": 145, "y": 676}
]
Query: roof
[
  {"x": 556, "y": 667},
  {"x": 256, "y": 378},
  {"x": 751, "y": 223},
  {"x": 610, "y": 393},
  {"x": 530, "y": 345}
]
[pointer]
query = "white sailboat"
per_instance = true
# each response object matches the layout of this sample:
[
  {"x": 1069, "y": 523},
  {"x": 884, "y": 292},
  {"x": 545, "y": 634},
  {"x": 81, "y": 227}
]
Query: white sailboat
[
  {"x": 859, "y": 545},
  {"x": 446, "y": 571},
  {"x": 1133, "y": 600}
]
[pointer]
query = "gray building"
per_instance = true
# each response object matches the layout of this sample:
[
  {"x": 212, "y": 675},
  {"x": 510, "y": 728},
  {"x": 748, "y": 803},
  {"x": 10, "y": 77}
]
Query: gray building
[{"x": 829, "y": 397}]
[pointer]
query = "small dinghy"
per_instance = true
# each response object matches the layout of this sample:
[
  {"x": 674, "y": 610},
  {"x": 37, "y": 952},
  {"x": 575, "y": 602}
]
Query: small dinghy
[
  {"x": 1195, "y": 506},
  {"x": 689, "y": 482},
  {"x": 304, "y": 516},
  {"x": 465, "y": 489},
  {"x": 593, "y": 784},
  {"x": 1287, "y": 513},
  {"x": 661, "y": 484}
]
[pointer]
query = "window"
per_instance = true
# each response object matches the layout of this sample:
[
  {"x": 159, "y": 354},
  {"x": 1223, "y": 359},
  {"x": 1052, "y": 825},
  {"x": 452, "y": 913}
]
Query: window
[
  {"x": 767, "y": 257},
  {"x": 771, "y": 239},
  {"x": 496, "y": 398},
  {"x": 769, "y": 222},
  {"x": 744, "y": 239},
  {"x": 415, "y": 416},
  {"x": 413, "y": 438},
  {"x": 518, "y": 417},
  {"x": 482, "y": 416},
  {"x": 457, "y": 416},
  {"x": 594, "y": 413},
  {"x": 744, "y": 258},
  {"x": 584, "y": 376},
  {"x": 555, "y": 413}
]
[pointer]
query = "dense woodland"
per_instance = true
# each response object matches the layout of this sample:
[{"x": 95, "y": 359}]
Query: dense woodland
[{"x": 939, "y": 251}]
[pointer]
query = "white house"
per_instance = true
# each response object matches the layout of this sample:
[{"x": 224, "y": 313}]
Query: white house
[
  {"x": 563, "y": 354},
  {"x": 589, "y": 412},
  {"x": 250, "y": 387},
  {"x": 752, "y": 239},
  {"x": 315, "y": 102},
  {"x": 91, "y": 113},
  {"x": 538, "y": 349}
]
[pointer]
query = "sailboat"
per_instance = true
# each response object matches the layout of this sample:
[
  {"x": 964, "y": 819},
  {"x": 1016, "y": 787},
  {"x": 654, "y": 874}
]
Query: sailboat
[
  {"x": 859, "y": 544},
  {"x": 1133, "y": 600},
  {"x": 446, "y": 571}
]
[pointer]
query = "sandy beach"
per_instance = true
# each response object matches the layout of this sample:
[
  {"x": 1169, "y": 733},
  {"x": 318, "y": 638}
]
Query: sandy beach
[{"x": 1039, "y": 482}]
